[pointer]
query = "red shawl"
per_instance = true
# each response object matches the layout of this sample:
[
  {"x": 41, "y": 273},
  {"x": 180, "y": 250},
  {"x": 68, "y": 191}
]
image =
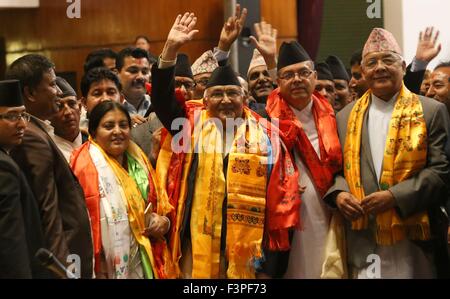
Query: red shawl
[
  {"x": 322, "y": 169},
  {"x": 290, "y": 129}
]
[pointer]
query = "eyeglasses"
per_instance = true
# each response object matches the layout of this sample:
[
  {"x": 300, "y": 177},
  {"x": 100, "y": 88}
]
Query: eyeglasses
[
  {"x": 231, "y": 94},
  {"x": 15, "y": 117},
  {"x": 302, "y": 74},
  {"x": 386, "y": 60},
  {"x": 188, "y": 85},
  {"x": 201, "y": 82}
]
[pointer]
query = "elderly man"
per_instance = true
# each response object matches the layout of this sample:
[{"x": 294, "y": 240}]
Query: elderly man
[
  {"x": 260, "y": 82},
  {"x": 66, "y": 121},
  {"x": 217, "y": 183},
  {"x": 395, "y": 169},
  {"x": 308, "y": 129},
  {"x": 61, "y": 201},
  {"x": 427, "y": 50},
  {"x": 203, "y": 67},
  {"x": 262, "y": 71},
  {"x": 20, "y": 224}
]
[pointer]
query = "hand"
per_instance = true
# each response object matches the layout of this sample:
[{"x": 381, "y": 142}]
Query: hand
[
  {"x": 232, "y": 28},
  {"x": 158, "y": 227},
  {"x": 349, "y": 206},
  {"x": 426, "y": 48},
  {"x": 378, "y": 202},
  {"x": 180, "y": 33},
  {"x": 266, "y": 42},
  {"x": 137, "y": 119}
]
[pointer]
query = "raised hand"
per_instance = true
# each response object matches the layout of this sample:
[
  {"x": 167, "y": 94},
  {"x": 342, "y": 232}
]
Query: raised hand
[
  {"x": 426, "y": 47},
  {"x": 232, "y": 28},
  {"x": 181, "y": 32},
  {"x": 266, "y": 42}
]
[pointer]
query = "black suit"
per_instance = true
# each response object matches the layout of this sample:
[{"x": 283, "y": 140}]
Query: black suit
[
  {"x": 64, "y": 216},
  {"x": 413, "y": 80},
  {"x": 20, "y": 224}
]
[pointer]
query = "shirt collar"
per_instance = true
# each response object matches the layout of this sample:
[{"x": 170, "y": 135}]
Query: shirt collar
[
  {"x": 382, "y": 105},
  {"x": 306, "y": 112},
  {"x": 76, "y": 143},
  {"x": 47, "y": 125}
]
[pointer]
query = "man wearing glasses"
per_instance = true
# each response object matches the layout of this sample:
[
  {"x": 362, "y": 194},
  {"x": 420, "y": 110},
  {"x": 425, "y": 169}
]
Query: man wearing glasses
[
  {"x": 395, "y": 172},
  {"x": 308, "y": 129},
  {"x": 219, "y": 183},
  {"x": 20, "y": 227}
]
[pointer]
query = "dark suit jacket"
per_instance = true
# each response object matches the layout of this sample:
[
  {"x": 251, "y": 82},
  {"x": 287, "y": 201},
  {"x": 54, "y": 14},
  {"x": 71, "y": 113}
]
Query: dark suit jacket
[
  {"x": 424, "y": 191},
  {"x": 167, "y": 109},
  {"x": 65, "y": 220},
  {"x": 447, "y": 151},
  {"x": 413, "y": 80},
  {"x": 20, "y": 225}
]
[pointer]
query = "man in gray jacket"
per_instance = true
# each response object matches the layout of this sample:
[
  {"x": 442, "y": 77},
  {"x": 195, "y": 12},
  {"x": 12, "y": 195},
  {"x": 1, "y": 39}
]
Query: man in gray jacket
[{"x": 395, "y": 171}]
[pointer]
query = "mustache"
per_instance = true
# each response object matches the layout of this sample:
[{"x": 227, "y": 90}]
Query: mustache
[
  {"x": 138, "y": 83},
  {"x": 299, "y": 85},
  {"x": 264, "y": 84},
  {"x": 226, "y": 107}
]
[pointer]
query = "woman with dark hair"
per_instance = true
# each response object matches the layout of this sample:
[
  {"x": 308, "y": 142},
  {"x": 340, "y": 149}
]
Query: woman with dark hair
[
  {"x": 142, "y": 42},
  {"x": 118, "y": 183}
]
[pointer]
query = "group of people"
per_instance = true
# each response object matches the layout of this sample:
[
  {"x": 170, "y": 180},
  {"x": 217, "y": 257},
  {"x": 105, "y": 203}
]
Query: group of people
[{"x": 163, "y": 169}]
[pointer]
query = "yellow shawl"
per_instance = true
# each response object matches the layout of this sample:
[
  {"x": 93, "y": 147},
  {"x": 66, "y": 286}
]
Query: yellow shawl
[
  {"x": 405, "y": 155},
  {"x": 135, "y": 202},
  {"x": 244, "y": 187}
]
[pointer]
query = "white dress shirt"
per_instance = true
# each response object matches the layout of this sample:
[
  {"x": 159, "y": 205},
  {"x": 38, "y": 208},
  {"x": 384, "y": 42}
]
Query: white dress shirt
[
  {"x": 307, "y": 251},
  {"x": 65, "y": 146},
  {"x": 380, "y": 113}
]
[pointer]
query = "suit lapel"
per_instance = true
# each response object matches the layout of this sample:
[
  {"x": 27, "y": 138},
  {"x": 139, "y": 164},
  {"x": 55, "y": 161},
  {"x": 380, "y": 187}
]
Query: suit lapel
[{"x": 367, "y": 167}]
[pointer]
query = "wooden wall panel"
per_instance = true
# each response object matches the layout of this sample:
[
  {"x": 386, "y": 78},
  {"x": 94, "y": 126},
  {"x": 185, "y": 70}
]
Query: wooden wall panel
[
  {"x": 104, "y": 23},
  {"x": 115, "y": 23},
  {"x": 283, "y": 16}
]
